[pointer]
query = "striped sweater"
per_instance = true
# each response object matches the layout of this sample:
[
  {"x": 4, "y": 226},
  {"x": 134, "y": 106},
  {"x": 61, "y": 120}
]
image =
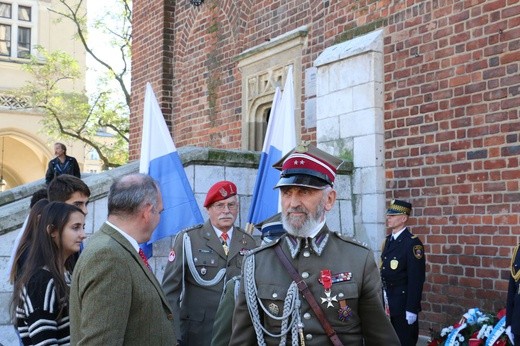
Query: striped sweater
[{"x": 37, "y": 313}]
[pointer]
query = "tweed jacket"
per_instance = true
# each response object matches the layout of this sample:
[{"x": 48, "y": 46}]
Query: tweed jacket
[
  {"x": 403, "y": 268},
  {"x": 357, "y": 288},
  {"x": 198, "y": 305},
  {"x": 115, "y": 299}
]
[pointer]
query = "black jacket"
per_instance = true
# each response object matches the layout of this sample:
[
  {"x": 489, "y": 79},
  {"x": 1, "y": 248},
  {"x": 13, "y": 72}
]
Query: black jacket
[
  {"x": 513, "y": 295},
  {"x": 56, "y": 168},
  {"x": 403, "y": 273}
]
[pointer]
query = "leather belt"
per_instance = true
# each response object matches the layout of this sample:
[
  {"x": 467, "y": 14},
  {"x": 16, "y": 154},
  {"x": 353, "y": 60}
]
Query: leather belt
[{"x": 304, "y": 289}]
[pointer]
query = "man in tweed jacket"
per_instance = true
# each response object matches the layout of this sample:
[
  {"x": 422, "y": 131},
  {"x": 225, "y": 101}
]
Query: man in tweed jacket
[{"x": 115, "y": 299}]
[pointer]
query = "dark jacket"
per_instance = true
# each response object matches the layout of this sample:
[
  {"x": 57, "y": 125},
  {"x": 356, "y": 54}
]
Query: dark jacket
[
  {"x": 56, "y": 168},
  {"x": 513, "y": 294},
  {"x": 403, "y": 273}
]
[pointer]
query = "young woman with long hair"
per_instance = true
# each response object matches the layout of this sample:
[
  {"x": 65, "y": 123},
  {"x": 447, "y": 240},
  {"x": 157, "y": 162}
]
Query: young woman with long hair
[
  {"x": 41, "y": 291},
  {"x": 27, "y": 240}
]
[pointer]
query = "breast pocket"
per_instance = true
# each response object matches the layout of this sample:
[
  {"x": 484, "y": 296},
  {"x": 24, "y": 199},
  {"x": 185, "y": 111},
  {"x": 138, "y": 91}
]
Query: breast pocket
[
  {"x": 272, "y": 298},
  {"x": 346, "y": 315},
  {"x": 206, "y": 261}
]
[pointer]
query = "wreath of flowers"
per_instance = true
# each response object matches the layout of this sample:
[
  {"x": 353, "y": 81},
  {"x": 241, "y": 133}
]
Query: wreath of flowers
[{"x": 475, "y": 328}]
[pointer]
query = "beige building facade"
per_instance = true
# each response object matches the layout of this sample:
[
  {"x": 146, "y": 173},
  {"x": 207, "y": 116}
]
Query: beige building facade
[{"x": 24, "y": 149}]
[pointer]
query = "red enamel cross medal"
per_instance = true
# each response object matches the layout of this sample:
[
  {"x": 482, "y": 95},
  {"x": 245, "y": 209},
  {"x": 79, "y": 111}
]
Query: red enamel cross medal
[{"x": 326, "y": 281}]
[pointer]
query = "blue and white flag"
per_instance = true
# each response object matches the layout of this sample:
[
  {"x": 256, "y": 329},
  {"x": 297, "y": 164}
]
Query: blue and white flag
[
  {"x": 160, "y": 160},
  {"x": 280, "y": 138}
]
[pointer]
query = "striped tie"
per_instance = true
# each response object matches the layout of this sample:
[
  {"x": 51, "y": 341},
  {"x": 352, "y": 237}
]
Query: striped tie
[
  {"x": 224, "y": 237},
  {"x": 145, "y": 260}
]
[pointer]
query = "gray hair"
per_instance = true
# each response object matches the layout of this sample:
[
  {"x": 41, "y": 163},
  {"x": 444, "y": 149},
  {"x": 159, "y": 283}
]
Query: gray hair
[{"x": 131, "y": 192}]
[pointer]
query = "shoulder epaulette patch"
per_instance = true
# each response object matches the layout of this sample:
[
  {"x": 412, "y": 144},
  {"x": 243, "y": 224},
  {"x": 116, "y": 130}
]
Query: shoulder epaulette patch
[
  {"x": 263, "y": 246},
  {"x": 191, "y": 228},
  {"x": 350, "y": 239},
  {"x": 413, "y": 236}
]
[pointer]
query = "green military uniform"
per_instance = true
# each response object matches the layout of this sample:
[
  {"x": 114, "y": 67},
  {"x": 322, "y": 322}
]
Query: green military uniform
[
  {"x": 269, "y": 298},
  {"x": 224, "y": 316},
  {"x": 195, "y": 275}
]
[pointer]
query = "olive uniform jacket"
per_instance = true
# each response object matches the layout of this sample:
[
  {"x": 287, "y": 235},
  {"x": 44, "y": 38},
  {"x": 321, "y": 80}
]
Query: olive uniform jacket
[
  {"x": 197, "y": 306},
  {"x": 115, "y": 299},
  {"x": 224, "y": 317},
  {"x": 403, "y": 268},
  {"x": 356, "y": 285},
  {"x": 513, "y": 295}
]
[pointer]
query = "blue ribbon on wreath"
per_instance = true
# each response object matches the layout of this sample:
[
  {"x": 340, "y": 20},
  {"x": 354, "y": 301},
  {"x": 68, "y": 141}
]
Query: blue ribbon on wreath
[{"x": 496, "y": 332}]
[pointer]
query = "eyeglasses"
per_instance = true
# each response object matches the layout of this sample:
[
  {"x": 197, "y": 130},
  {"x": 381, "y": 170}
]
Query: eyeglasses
[{"x": 222, "y": 206}]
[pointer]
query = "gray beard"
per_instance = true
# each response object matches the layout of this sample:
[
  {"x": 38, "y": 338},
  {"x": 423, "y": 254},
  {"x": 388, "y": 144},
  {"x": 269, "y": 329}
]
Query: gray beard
[{"x": 309, "y": 225}]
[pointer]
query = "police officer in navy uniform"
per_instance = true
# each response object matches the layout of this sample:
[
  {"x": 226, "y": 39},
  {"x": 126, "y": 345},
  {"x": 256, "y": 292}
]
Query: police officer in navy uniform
[
  {"x": 403, "y": 273},
  {"x": 513, "y": 299},
  {"x": 203, "y": 258},
  {"x": 340, "y": 273}
]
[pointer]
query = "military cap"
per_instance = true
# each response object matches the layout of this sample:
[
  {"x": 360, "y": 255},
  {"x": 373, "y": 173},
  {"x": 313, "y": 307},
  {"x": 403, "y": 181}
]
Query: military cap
[
  {"x": 306, "y": 165},
  {"x": 398, "y": 207},
  {"x": 271, "y": 227},
  {"x": 220, "y": 191}
]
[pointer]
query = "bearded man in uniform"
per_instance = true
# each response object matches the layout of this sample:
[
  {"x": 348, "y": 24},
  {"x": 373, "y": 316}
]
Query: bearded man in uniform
[{"x": 312, "y": 286}]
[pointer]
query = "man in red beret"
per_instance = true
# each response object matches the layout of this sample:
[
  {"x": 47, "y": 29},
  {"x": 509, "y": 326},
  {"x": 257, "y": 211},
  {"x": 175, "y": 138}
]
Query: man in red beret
[{"x": 203, "y": 258}]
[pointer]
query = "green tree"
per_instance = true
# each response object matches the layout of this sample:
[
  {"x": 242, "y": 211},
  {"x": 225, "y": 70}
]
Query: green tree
[
  {"x": 69, "y": 114},
  {"x": 87, "y": 118}
]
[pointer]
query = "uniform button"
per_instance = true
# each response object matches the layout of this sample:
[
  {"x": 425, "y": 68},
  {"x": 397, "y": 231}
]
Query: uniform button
[
  {"x": 307, "y": 316},
  {"x": 308, "y": 337},
  {"x": 305, "y": 275},
  {"x": 306, "y": 254},
  {"x": 383, "y": 267},
  {"x": 170, "y": 317},
  {"x": 195, "y": 259},
  {"x": 275, "y": 295},
  {"x": 341, "y": 295}
]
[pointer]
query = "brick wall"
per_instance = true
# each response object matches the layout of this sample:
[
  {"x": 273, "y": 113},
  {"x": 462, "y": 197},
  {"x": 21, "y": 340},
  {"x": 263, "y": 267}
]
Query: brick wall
[
  {"x": 452, "y": 126},
  {"x": 452, "y": 146}
]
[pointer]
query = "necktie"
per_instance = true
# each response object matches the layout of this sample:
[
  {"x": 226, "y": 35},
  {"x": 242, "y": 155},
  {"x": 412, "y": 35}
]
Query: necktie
[
  {"x": 145, "y": 260},
  {"x": 224, "y": 237}
]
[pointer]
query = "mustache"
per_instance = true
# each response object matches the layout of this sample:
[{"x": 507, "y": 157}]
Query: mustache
[{"x": 299, "y": 209}]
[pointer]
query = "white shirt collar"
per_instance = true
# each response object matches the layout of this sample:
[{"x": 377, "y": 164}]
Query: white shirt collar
[
  {"x": 132, "y": 241},
  {"x": 317, "y": 229},
  {"x": 219, "y": 232},
  {"x": 396, "y": 235}
]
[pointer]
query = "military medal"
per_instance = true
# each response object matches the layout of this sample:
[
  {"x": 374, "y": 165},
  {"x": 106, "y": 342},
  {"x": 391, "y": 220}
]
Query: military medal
[
  {"x": 344, "y": 311},
  {"x": 394, "y": 263},
  {"x": 273, "y": 308},
  {"x": 171, "y": 256},
  {"x": 326, "y": 281}
]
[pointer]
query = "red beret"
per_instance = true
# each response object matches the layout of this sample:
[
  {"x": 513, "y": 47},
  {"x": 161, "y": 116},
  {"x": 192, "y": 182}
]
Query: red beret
[{"x": 220, "y": 191}]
